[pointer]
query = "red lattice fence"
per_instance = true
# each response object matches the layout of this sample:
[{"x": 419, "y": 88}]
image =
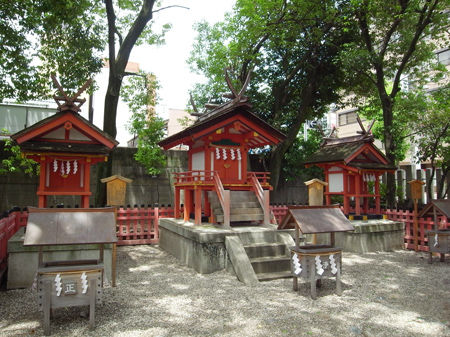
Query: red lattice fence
[
  {"x": 140, "y": 225},
  {"x": 9, "y": 225},
  {"x": 424, "y": 224}
]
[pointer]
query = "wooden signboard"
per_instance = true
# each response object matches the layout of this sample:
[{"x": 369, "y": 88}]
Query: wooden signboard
[{"x": 116, "y": 187}]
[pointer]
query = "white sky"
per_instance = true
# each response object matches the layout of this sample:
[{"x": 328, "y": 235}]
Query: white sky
[{"x": 168, "y": 62}]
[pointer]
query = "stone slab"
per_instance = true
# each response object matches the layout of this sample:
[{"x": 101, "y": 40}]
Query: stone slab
[
  {"x": 23, "y": 260},
  {"x": 240, "y": 260}
]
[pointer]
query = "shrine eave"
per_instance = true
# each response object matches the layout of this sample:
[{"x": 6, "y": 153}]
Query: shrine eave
[
  {"x": 58, "y": 120},
  {"x": 208, "y": 126},
  {"x": 44, "y": 147}
]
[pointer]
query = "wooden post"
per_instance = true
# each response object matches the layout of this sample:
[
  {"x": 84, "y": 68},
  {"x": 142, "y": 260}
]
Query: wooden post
[
  {"x": 114, "y": 255},
  {"x": 92, "y": 300},
  {"x": 177, "y": 203},
  {"x": 198, "y": 206},
  {"x": 187, "y": 204},
  {"x": 46, "y": 306},
  {"x": 315, "y": 196},
  {"x": 416, "y": 194}
]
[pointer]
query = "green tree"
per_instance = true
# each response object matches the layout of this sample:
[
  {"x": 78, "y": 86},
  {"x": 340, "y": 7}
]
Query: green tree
[
  {"x": 15, "y": 162},
  {"x": 396, "y": 39},
  {"x": 47, "y": 36},
  {"x": 293, "y": 47},
  {"x": 140, "y": 95},
  {"x": 430, "y": 125}
]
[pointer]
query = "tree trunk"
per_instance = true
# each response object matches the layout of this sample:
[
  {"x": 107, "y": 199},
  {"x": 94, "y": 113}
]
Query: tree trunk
[{"x": 389, "y": 144}]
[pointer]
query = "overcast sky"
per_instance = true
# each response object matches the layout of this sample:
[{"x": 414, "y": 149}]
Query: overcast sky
[{"x": 168, "y": 62}]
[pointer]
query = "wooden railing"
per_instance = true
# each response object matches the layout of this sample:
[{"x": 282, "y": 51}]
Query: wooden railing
[
  {"x": 194, "y": 176},
  {"x": 261, "y": 194},
  {"x": 137, "y": 226},
  {"x": 263, "y": 177},
  {"x": 224, "y": 198},
  {"x": 9, "y": 225}
]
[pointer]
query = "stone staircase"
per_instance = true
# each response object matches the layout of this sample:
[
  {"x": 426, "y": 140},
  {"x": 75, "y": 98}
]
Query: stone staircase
[
  {"x": 244, "y": 207},
  {"x": 268, "y": 253}
]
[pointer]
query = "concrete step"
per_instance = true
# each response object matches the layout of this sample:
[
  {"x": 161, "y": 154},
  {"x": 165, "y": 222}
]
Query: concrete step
[
  {"x": 258, "y": 237},
  {"x": 265, "y": 250},
  {"x": 240, "y": 210},
  {"x": 241, "y": 217},
  {"x": 273, "y": 276},
  {"x": 271, "y": 264}
]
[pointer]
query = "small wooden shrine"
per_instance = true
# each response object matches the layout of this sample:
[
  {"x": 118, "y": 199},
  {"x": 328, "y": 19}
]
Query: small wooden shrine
[
  {"x": 218, "y": 145},
  {"x": 65, "y": 145},
  {"x": 352, "y": 168},
  {"x": 69, "y": 283},
  {"x": 314, "y": 262},
  {"x": 439, "y": 236}
]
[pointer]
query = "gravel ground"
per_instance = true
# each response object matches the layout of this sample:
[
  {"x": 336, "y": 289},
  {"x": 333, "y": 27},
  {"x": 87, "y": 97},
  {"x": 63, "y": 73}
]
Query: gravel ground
[{"x": 385, "y": 294}]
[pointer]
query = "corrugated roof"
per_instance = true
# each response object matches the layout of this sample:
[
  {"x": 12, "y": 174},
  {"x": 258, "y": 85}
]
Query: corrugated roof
[
  {"x": 317, "y": 219},
  {"x": 48, "y": 226},
  {"x": 221, "y": 113}
]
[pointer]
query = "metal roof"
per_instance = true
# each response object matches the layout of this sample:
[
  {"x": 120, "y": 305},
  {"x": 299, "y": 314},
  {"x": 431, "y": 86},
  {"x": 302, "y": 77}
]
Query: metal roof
[
  {"x": 50, "y": 226},
  {"x": 316, "y": 219},
  {"x": 442, "y": 207}
]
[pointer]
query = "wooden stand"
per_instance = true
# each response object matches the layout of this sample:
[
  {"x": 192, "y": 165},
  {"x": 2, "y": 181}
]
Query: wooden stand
[{"x": 314, "y": 263}]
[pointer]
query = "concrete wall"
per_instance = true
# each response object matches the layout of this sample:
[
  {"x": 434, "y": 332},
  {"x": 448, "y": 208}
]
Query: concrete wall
[{"x": 18, "y": 189}]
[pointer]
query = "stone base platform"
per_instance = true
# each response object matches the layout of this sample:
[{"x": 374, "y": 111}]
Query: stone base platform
[
  {"x": 23, "y": 261},
  {"x": 209, "y": 248},
  {"x": 372, "y": 236}
]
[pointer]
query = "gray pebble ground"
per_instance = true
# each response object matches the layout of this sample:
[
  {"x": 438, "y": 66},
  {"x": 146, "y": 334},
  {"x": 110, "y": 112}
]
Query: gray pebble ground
[{"x": 385, "y": 294}]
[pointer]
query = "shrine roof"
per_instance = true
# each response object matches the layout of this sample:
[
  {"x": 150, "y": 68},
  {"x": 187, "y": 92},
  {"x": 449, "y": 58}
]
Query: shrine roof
[
  {"x": 316, "y": 219},
  {"x": 442, "y": 208},
  {"x": 346, "y": 149},
  {"x": 49, "y": 226},
  {"x": 100, "y": 141},
  {"x": 227, "y": 111}
]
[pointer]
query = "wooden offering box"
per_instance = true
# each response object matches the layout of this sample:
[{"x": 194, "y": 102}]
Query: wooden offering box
[
  {"x": 439, "y": 236},
  {"x": 69, "y": 283},
  {"x": 314, "y": 262}
]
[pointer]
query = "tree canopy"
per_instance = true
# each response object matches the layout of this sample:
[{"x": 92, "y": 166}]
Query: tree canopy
[
  {"x": 292, "y": 48},
  {"x": 38, "y": 38},
  {"x": 394, "y": 43}
]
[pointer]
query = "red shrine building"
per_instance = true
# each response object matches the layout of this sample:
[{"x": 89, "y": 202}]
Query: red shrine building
[
  {"x": 65, "y": 145},
  {"x": 352, "y": 167},
  {"x": 218, "y": 145}
]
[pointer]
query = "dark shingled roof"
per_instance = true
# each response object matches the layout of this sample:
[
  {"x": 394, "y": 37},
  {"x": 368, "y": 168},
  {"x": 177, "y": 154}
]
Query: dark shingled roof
[
  {"x": 58, "y": 115},
  {"x": 334, "y": 153},
  {"x": 341, "y": 148},
  {"x": 220, "y": 113}
]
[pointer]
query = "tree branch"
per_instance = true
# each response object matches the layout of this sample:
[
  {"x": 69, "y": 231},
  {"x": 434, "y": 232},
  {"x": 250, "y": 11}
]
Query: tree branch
[
  {"x": 111, "y": 16},
  {"x": 424, "y": 20},
  {"x": 172, "y": 6}
]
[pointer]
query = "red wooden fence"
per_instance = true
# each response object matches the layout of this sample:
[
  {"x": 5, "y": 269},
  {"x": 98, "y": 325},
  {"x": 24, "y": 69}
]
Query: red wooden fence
[
  {"x": 424, "y": 224},
  {"x": 140, "y": 226},
  {"x": 8, "y": 227}
]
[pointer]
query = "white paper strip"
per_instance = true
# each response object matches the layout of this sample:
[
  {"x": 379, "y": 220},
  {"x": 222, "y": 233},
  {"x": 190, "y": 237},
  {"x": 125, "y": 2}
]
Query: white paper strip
[{"x": 58, "y": 285}]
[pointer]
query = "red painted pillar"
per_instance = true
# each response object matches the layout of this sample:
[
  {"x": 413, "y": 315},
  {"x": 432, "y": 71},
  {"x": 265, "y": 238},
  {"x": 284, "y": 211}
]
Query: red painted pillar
[
  {"x": 358, "y": 193},
  {"x": 42, "y": 199},
  {"x": 377, "y": 195},
  {"x": 346, "y": 197},
  {"x": 177, "y": 203},
  {"x": 187, "y": 204},
  {"x": 327, "y": 188},
  {"x": 198, "y": 206}
]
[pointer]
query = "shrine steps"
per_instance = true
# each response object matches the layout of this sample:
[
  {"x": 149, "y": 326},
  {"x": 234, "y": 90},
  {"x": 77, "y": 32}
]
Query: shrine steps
[
  {"x": 268, "y": 254},
  {"x": 244, "y": 207}
]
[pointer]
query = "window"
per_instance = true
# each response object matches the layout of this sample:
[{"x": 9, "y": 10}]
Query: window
[
  {"x": 347, "y": 118},
  {"x": 443, "y": 56}
]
